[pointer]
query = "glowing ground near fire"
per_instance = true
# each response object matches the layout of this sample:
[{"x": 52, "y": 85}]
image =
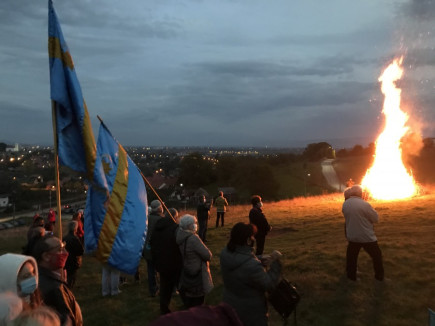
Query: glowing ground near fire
[{"x": 309, "y": 232}]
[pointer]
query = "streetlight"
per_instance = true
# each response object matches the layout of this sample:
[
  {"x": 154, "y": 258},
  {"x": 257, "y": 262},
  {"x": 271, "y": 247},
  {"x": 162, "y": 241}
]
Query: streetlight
[
  {"x": 305, "y": 183},
  {"x": 50, "y": 190}
]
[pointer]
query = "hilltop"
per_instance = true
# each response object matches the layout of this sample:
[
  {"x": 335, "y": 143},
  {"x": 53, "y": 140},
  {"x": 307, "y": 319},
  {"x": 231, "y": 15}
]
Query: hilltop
[{"x": 309, "y": 232}]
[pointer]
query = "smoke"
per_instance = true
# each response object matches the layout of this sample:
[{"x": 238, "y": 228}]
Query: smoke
[{"x": 412, "y": 143}]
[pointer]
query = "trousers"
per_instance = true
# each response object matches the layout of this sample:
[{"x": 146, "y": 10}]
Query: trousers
[
  {"x": 372, "y": 248},
  {"x": 220, "y": 215}
]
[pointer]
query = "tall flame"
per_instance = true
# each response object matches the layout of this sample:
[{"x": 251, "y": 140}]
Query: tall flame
[{"x": 388, "y": 178}]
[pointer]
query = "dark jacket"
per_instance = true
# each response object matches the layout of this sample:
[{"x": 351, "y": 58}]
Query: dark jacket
[
  {"x": 75, "y": 251},
  {"x": 257, "y": 218},
  {"x": 164, "y": 250},
  {"x": 56, "y": 294},
  {"x": 246, "y": 282},
  {"x": 152, "y": 220},
  {"x": 202, "y": 211}
]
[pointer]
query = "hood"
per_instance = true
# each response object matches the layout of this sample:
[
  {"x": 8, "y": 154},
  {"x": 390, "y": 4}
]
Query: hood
[
  {"x": 232, "y": 260},
  {"x": 10, "y": 307},
  {"x": 182, "y": 235},
  {"x": 164, "y": 223},
  {"x": 10, "y": 265}
]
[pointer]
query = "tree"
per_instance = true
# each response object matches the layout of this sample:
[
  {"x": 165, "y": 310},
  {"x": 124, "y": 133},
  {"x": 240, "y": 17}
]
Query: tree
[
  {"x": 318, "y": 151},
  {"x": 3, "y": 147},
  {"x": 196, "y": 171},
  {"x": 262, "y": 182}
]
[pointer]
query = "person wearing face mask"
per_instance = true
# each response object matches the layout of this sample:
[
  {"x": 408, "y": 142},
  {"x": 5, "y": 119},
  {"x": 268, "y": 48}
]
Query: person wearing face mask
[
  {"x": 195, "y": 279},
  {"x": 51, "y": 255},
  {"x": 19, "y": 275},
  {"x": 257, "y": 218},
  {"x": 246, "y": 279}
]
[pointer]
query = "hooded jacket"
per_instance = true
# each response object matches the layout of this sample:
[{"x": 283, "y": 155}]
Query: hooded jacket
[
  {"x": 246, "y": 282},
  {"x": 10, "y": 265},
  {"x": 196, "y": 257}
]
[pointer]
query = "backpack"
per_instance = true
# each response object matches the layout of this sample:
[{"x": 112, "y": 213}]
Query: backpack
[{"x": 284, "y": 298}]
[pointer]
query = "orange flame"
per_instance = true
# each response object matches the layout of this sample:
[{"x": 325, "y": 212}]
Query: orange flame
[{"x": 387, "y": 178}]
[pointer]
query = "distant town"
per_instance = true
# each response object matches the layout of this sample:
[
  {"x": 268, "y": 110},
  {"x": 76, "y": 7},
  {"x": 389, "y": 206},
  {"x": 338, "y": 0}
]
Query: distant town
[{"x": 27, "y": 171}]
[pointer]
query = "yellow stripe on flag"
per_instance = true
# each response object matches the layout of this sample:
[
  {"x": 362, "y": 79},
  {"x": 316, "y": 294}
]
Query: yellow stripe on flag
[
  {"x": 89, "y": 143},
  {"x": 55, "y": 51},
  {"x": 115, "y": 208}
]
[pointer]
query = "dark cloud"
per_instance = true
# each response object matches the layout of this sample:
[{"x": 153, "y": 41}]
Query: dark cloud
[
  {"x": 23, "y": 124},
  {"x": 419, "y": 9}
]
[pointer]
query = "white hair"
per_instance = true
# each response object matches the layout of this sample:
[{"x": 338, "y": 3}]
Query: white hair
[{"x": 186, "y": 221}]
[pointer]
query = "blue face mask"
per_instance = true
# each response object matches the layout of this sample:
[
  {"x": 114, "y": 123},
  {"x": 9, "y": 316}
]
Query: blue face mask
[{"x": 28, "y": 286}]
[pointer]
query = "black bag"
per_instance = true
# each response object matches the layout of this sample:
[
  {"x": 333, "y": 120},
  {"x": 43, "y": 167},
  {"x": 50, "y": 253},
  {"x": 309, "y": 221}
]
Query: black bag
[{"x": 284, "y": 298}]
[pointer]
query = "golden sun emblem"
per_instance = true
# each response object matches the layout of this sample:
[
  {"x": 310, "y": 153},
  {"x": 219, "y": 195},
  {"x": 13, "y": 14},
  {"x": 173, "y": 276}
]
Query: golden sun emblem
[{"x": 106, "y": 161}]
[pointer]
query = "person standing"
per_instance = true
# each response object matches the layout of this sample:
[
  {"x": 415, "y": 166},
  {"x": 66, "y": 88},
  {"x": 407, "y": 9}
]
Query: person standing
[
  {"x": 80, "y": 232},
  {"x": 51, "y": 217},
  {"x": 359, "y": 218},
  {"x": 257, "y": 218},
  {"x": 245, "y": 278},
  {"x": 110, "y": 280},
  {"x": 155, "y": 215},
  {"x": 51, "y": 255},
  {"x": 220, "y": 203},
  {"x": 75, "y": 251},
  {"x": 166, "y": 257},
  {"x": 195, "y": 280},
  {"x": 203, "y": 215}
]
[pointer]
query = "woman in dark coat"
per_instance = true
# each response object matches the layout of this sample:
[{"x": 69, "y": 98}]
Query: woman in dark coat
[
  {"x": 257, "y": 218},
  {"x": 246, "y": 280}
]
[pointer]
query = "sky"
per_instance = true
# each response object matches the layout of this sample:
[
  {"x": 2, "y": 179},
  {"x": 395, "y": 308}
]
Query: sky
[{"x": 280, "y": 73}]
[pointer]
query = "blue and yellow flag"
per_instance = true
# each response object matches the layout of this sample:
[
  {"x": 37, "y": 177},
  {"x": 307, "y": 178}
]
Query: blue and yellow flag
[
  {"x": 75, "y": 139},
  {"x": 116, "y": 207}
]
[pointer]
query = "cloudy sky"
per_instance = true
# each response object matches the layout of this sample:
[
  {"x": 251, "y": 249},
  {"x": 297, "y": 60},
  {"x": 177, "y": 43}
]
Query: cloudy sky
[{"x": 225, "y": 72}]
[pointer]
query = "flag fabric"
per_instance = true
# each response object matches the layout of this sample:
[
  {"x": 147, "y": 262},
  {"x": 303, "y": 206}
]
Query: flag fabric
[
  {"x": 75, "y": 139},
  {"x": 116, "y": 207},
  {"x": 431, "y": 317}
]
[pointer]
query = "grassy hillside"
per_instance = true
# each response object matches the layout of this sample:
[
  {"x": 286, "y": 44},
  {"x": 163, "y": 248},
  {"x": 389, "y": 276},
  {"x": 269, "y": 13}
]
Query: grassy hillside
[{"x": 309, "y": 232}]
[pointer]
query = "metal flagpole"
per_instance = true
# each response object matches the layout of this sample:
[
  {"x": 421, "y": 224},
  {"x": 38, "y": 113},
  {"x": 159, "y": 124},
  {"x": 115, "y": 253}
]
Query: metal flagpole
[{"x": 56, "y": 170}]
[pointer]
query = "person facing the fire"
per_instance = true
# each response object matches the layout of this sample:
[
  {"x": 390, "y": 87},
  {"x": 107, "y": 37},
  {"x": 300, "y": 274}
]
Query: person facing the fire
[{"x": 359, "y": 218}]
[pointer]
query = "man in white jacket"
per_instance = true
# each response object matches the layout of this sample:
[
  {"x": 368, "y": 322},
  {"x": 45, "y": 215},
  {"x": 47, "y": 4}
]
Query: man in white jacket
[{"x": 360, "y": 217}]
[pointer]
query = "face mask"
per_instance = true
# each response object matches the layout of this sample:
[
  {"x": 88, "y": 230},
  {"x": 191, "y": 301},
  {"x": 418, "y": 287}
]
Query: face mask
[
  {"x": 28, "y": 286},
  {"x": 59, "y": 259},
  {"x": 195, "y": 227}
]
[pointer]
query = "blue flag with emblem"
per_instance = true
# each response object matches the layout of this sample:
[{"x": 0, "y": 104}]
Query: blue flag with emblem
[
  {"x": 116, "y": 207},
  {"x": 75, "y": 139}
]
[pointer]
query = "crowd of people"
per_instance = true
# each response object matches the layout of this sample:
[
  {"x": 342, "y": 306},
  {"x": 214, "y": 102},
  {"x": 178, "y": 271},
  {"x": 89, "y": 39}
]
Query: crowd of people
[{"x": 36, "y": 287}]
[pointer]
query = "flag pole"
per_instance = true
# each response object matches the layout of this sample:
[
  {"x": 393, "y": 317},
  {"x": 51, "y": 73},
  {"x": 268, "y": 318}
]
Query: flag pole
[
  {"x": 56, "y": 169},
  {"x": 149, "y": 185}
]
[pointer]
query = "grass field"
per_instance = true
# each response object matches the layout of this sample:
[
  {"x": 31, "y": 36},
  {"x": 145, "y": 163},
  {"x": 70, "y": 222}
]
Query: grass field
[{"x": 310, "y": 234}]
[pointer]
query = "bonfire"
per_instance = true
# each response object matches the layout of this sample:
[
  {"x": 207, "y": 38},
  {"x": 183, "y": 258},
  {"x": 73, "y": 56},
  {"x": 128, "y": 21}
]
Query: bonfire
[{"x": 388, "y": 178}]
